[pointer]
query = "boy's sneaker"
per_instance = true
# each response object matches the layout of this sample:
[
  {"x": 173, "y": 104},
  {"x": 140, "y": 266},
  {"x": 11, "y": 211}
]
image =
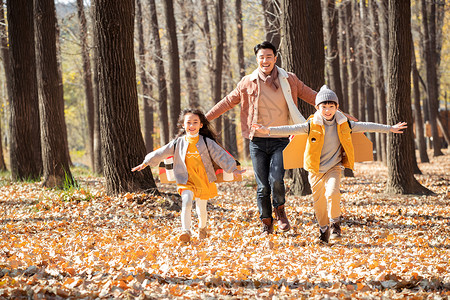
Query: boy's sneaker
[
  {"x": 336, "y": 229},
  {"x": 202, "y": 233},
  {"x": 325, "y": 236},
  {"x": 185, "y": 236}
]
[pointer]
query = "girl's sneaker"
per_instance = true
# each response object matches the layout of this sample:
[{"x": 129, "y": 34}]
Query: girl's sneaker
[
  {"x": 202, "y": 233},
  {"x": 185, "y": 236},
  {"x": 324, "y": 235}
]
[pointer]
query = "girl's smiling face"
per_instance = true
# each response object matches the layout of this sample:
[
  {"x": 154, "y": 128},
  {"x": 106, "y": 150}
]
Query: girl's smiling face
[
  {"x": 328, "y": 110},
  {"x": 192, "y": 124}
]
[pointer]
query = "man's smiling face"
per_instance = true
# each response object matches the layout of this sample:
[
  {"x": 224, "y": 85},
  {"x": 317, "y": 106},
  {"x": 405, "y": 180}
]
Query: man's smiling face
[{"x": 266, "y": 60}]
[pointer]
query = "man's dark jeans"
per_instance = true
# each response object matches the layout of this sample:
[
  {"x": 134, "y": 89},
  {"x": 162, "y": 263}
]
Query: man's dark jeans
[{"x": 267, "y": 159}]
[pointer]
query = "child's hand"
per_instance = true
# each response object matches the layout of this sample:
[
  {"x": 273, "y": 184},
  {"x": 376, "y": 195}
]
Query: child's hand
[
  {"x": 139, "y": 168},
  {"x": 239, "y": 172},
  {"x": 261, "y": 128},
  {"x": 397, "y": 128}
]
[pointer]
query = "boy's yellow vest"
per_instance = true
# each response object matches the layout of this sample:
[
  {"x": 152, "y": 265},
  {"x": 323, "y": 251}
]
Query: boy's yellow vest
[{"x": 315, "y": 142}]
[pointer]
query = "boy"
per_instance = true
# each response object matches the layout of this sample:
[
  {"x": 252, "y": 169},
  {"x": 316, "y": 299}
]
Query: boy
[{"x": 329, "y": 150}]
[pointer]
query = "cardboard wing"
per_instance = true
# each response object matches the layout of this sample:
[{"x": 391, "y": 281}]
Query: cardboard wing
[
  {"x": 294, "y": 151},
  {"x": 165, "y": 175}
]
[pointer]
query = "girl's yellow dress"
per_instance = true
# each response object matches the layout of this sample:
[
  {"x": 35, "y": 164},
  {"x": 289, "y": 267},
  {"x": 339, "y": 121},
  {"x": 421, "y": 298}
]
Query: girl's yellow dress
[{"x": 198, "y": 180}]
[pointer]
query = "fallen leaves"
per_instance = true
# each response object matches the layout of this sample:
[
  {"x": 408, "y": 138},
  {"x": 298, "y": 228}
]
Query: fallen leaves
[{"x": 83, "y": 244}]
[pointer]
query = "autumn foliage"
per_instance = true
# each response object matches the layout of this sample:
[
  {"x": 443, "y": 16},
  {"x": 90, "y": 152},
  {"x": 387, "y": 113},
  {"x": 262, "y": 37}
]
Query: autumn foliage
[{"x": 82, "y": 244}]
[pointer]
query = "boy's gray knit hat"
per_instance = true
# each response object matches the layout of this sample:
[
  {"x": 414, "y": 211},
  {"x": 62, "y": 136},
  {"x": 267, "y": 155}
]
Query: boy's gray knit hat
[{"x": 325, "y": 94}]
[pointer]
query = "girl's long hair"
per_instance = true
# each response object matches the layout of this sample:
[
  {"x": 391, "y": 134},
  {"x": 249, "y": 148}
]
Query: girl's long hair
[{"x": 207, "y": 129}]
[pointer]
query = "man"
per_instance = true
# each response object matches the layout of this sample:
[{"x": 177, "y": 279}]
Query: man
[{"x": 268, "y": 96}]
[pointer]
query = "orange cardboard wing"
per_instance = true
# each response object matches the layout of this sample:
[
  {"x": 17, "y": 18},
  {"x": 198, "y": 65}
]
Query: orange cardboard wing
[{"x": 294, "y": 151}]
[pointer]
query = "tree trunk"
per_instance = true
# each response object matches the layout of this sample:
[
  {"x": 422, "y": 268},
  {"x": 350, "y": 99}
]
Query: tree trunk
[
  {"x": 174, "y": 66},
  {"x": 343, "y": 61},
  {"x": 97, "y": 143},
  {"x": 189, "y": 53},
  {"x": 304, "y": 55},
  {"x": 272, "y": 23},
  {"x": 25, "y": 137},
  {"x": 351, "y": 56},
  {"x": 87, "y": 76},
  {"x": 51, "y": 102},
  {"x": 241, "y": 60},
  {"x": 400, "y": 169},
  {"x": 229, "y": 125},
  {"x": 146, "y": 87},
  {"x": 429, "y": 32},
  {"x": 161, "y": 75},
  {"x": 122, "y": 143},
  {"x": 330, "y": 17},
  {"x": 7, "y": 67},
  {"x": 209, "y": 48},
  {"x": 420, "y": 138},
  {"x": 377, "y": 82},
  {"x": 218, "y": 65}
]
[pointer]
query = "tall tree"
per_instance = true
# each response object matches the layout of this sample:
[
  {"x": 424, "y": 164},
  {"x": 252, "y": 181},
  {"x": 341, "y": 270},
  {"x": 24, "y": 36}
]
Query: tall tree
[
  {"x": 330, "y": 22},
  {"x": 146, "y": 86},
  {"x": 241, "y": 58},
  {"x": 174, "y": 66},
  {"x": 378, "y": 80},
  {"x": 229, "y": 125},
  {"x": 218, "y": 61},
  {"x": 429, "y": 32},
  {"x": 303, "y": 50},
  {"x": 400, "y": 169},
  {"x": 343, "y": 61},
  {"x": 351, "y": 61},
  {"x": 418, "y": 120},
  {"x": 189, "y": 53},
  {"x": 56, "y": 167},
  {"x": 160, "y": 74},
  {"x": 97, "y": 143},
  {"x": 7, "y": 67},
  {"x": 25, "y": 142},
  {"x": 87, "y": 78},
  {"x": 122, "y": 143},
  {"x": 272, "y": 24}
]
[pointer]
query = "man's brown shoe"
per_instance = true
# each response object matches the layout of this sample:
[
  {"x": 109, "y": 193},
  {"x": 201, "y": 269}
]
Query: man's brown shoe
[
  {"x": 283, "y": 222},
  {"x": 267, "y": 226}
]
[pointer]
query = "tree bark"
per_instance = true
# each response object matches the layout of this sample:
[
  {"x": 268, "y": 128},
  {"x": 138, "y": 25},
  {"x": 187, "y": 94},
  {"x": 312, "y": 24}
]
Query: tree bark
[
  {"x": 146, "y": 86},
  {"x": 330, "y": 20},
  {"x": 429, "y": 32},
  {"x": 420, "y": 138},
  {"x": 174, "y": 66},
  {"x": 343, "y": 61},
  {"x": 351, "y": 56},
  {"x": 161, "y": 75},
  {"x": 189, "y": 53},
  {"x": 304, "y": 55},
  {"x": 97, "y": 143},
  {"x": 25, "y": 137},
  {"x": 122, "y": 143},
  {"x": 218, "y": 63},
  {"x": 56, "y": 166},
  {"x": 7, "y": 68},
  {"x": 241, "y": 60},
  {"x": 400, "y": 168},
  {"x": 272, "y": 23},
  {"x": 87, "y": 78}
]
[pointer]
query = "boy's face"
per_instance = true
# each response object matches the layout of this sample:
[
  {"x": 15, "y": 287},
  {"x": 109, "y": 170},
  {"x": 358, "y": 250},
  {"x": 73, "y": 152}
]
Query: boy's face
[
  {"x": 192, "y": 124},
  {"x": 327, "y": 110},
  {"x": 266, "y": 60}
]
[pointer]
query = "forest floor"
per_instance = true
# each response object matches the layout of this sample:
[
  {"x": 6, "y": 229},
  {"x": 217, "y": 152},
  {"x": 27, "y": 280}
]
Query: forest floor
[{"x": 82, "y": 244}]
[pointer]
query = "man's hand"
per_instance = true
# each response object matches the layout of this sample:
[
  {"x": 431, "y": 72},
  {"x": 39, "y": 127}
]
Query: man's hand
[
  {"x": 260, "y": 128},
  {"x": 397, "y": 128}
]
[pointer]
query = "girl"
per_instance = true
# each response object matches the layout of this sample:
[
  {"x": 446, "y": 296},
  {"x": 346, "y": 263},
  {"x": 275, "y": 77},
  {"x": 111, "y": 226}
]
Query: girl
[{"x": 193, "y": 149}]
